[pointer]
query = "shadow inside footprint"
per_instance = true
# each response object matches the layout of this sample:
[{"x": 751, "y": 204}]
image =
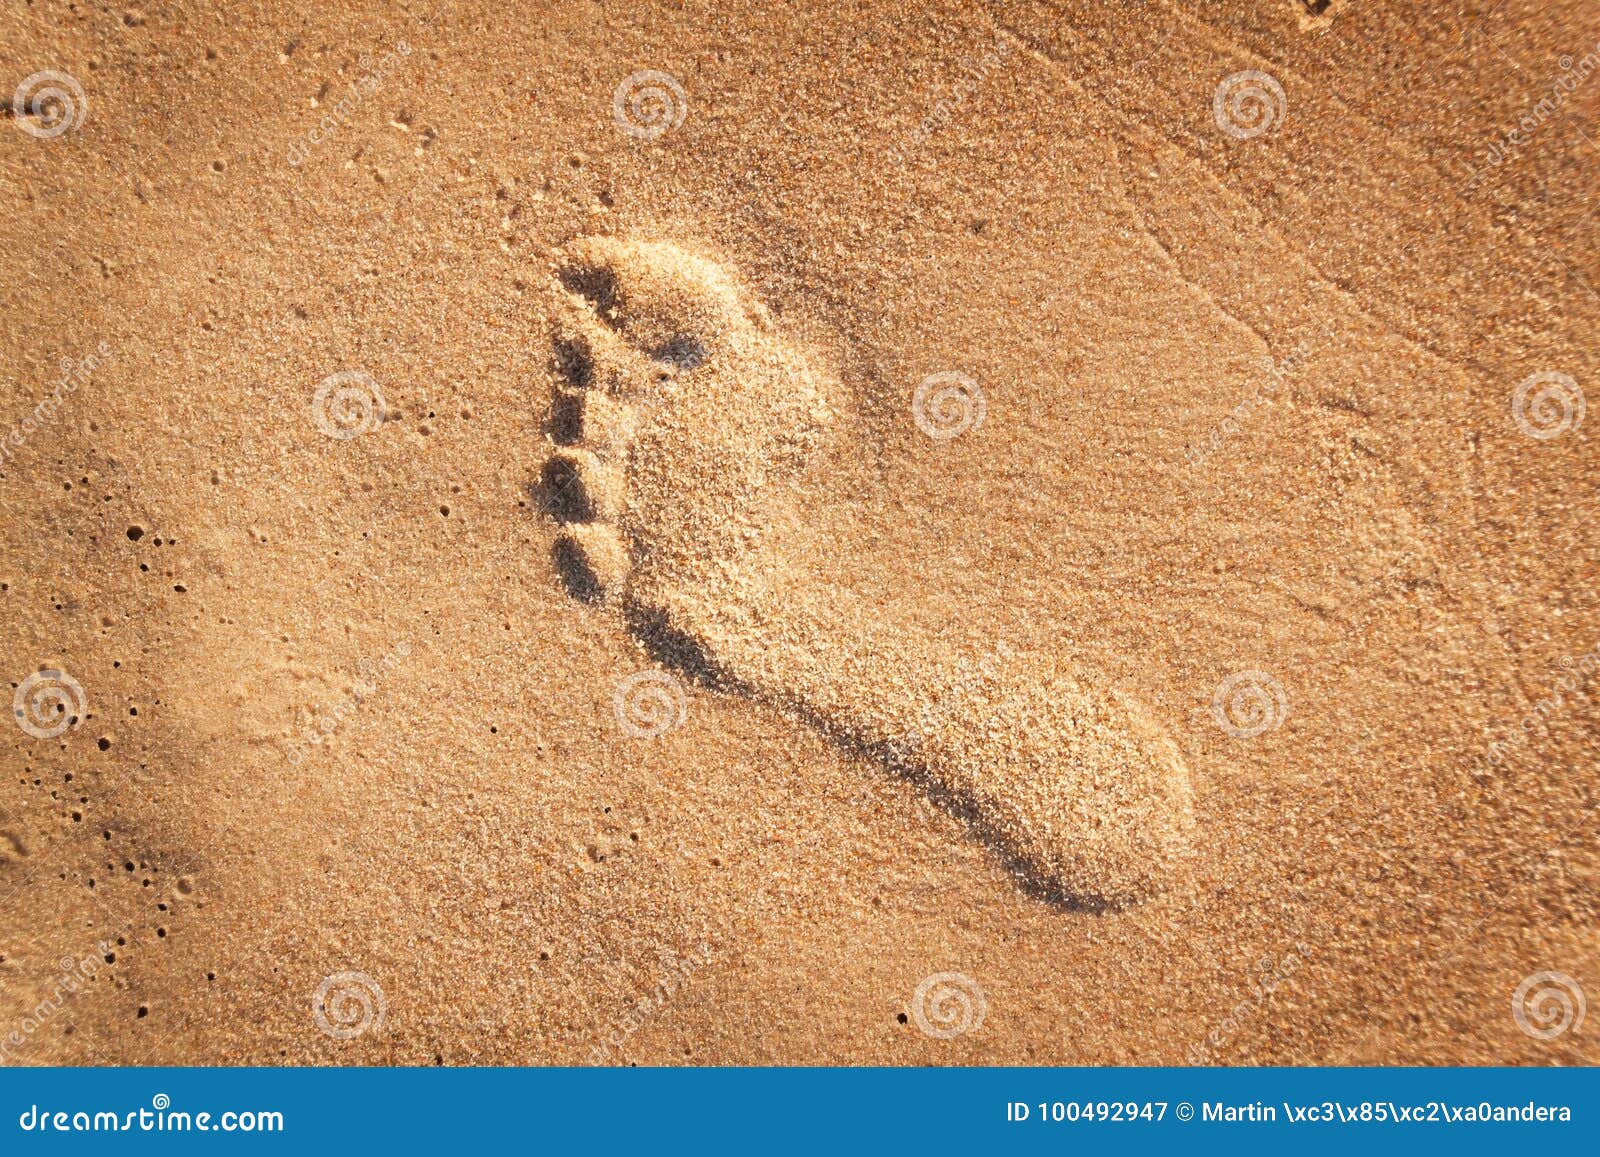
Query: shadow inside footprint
[
  {"x": 965, "y": 809},
  {"x": 673, "y": 649},
  {"x": 681, "y": 351},
  {"x": 574, "y": 362},
  {"x": 597, "y": 286},
  {"x": 561, "y": 493},
  {"x": 565, "y": 423},
  {"x": 575, "y": 572}
]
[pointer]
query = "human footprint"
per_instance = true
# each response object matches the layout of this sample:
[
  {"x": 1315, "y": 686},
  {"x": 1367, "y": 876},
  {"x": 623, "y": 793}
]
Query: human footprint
[{"x": 682, "y": 424}]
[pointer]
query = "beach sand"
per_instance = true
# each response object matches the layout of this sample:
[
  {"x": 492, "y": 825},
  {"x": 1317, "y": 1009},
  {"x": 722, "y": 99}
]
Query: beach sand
[{"x": 725, "y": 534}]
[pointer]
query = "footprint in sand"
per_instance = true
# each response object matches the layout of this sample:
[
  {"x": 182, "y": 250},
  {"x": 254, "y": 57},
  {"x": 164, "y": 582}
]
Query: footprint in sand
[{"x": 689, "y": 440}]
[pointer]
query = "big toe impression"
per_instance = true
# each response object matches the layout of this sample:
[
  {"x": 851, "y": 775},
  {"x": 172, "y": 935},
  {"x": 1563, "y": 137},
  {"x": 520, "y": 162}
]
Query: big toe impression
[{"x": 669, "y": 302}]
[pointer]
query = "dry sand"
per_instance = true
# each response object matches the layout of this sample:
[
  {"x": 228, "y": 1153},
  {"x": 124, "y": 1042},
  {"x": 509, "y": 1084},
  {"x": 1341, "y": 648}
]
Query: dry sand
[{"x": 1201, "y": 668}]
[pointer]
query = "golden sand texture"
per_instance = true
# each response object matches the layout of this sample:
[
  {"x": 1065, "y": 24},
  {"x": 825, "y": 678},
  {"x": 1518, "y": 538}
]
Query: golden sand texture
[{"x": 1081, "y": 521}]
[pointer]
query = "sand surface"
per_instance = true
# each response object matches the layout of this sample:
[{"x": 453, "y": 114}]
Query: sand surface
[{"x": 716, "y": 533}]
